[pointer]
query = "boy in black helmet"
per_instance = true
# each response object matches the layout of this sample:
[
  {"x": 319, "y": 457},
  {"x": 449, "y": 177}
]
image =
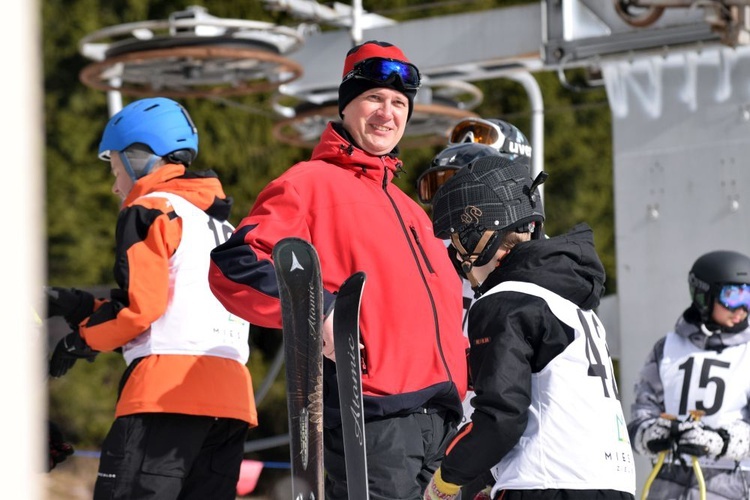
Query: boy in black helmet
[
  {"x": 547, "y": 418},
  {"x": 701, "y": 365}
]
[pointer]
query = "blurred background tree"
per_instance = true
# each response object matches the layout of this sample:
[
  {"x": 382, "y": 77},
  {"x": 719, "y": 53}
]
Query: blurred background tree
[{"x": 236, "y": 142}]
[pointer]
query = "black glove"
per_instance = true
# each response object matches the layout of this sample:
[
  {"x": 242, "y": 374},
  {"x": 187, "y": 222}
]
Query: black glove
[
  {"x": 59, "y": 449},
  {"x": 72, "y": 304},
  {"x": 69, "y": 350}
]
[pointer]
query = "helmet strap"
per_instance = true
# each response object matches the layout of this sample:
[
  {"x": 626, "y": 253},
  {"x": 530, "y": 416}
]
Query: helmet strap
[
  {"x": 706, "y": 331},
  {"x": 128, "y": 167},
  {"x": 469, "y": 258},
  {"x": 144, "y": 171}
]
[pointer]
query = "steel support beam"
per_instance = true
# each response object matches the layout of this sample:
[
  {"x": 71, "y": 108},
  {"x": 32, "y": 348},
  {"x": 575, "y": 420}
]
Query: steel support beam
[{"x": 468, "y": 47}]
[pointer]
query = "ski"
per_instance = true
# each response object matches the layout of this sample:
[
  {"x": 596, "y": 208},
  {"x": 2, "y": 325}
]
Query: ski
[
  {"x": 301, "y": 294},
  {"x": 349, "y": 375}
]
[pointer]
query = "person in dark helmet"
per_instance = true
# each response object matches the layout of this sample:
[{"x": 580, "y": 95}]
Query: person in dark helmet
[
  {"x": 343, "y": 200},
  {"x": 469, "y": 140},
  {"x": 700, "y": 366},
  {"x": 546, "y": 409},
  {"x": 186, "y": 399}
]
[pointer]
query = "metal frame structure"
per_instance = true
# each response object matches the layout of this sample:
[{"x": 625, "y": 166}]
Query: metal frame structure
[{"x": 190, "y": 54}]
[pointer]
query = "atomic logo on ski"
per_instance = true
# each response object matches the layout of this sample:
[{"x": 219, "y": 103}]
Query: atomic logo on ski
[{"x": 295, "y": 263}]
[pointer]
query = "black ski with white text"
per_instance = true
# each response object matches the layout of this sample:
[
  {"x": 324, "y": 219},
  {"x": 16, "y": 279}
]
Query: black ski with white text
[
  {"x": 301, "y": 294},
  {"x": 349, "y": 376}
]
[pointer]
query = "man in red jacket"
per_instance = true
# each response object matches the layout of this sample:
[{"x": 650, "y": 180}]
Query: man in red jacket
[{"x": 343, "y": 201}]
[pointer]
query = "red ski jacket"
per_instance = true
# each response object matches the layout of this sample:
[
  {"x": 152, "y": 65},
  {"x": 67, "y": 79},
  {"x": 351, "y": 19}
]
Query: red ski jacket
[{"x": 343, "y": 202}]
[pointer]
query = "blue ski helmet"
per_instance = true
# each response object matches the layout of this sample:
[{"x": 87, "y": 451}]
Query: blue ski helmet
[{"x": 161, "y": 124}]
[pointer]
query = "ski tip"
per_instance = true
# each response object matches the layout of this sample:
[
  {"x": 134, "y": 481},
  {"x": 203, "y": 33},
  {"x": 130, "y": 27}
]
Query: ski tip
[
  {"x": 292, "y": 243},
  {"x": 292, "y": 254},
  {"x": 355, "y": 279}
]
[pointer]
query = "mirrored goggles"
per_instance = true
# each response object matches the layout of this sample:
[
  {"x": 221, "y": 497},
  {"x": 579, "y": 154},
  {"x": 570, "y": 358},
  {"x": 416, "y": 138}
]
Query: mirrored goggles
[
  {"x": 381, "y": 70},
  {"x": 477, "y": 130},
  {"x": 734, "y": 296},
  {"x": 430, "y": 181}
]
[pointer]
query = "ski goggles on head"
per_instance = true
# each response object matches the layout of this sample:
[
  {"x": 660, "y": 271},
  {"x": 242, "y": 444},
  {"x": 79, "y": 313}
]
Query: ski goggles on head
[
  {"x": 381, "y": 70},
  {"x": 734, "y": 296},
  {"x": 477, "y": 130}
]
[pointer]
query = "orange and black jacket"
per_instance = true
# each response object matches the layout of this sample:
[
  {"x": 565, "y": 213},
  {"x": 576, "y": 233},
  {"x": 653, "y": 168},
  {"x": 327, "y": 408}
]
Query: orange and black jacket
[{"x": 147, "y": 235}]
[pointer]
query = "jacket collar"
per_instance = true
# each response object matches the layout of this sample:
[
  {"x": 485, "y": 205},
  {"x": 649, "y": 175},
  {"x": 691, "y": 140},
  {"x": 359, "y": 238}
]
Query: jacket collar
[
  {"x": 202, "y": 188},
  {"x": 337, "y": 147}
]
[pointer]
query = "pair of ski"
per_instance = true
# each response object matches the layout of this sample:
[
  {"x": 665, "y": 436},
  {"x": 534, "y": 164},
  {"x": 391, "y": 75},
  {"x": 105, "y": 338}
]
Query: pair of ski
[{"x": 301, "y": 293}]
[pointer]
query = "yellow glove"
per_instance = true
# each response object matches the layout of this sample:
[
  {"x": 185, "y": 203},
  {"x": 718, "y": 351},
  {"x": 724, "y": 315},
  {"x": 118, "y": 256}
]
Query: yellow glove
[{"x": 438, "y": 489}]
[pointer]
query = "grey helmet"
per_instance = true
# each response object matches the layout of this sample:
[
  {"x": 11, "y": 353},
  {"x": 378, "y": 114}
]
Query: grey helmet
[
  {"x": 712, "y": 271},
  {"x": 470, "y": 139},
  {"x": 501, "y": 135}
]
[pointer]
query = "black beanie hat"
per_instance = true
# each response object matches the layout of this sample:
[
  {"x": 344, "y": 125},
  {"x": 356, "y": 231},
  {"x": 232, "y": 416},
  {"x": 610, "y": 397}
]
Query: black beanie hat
[{"x": 351, "y": 88}]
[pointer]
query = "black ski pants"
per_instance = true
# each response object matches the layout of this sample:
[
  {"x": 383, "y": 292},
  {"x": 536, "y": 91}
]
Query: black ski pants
[
  {"x": 403, "y": 452},
  {"x": 168, "y": 456}
]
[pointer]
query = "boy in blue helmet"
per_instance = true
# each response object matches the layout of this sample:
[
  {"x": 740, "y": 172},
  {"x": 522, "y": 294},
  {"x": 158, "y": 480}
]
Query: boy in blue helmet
[{"x": 186, "y": 399}]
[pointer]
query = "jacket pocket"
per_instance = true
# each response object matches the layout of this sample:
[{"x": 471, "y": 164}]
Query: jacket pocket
[{"x": 421, "y": 249}]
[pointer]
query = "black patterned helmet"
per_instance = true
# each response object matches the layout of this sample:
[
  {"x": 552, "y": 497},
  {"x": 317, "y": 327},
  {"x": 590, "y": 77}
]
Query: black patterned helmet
[{"x": 491, "y": 196}]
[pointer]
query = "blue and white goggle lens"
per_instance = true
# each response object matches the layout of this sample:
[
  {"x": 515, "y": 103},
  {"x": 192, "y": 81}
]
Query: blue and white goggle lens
[
  {"x": 734, "y": 296},
  {"x": 381, "y": 70}
]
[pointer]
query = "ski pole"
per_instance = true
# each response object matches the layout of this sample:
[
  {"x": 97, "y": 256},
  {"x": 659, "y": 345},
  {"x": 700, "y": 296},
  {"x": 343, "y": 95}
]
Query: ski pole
[
  {"x": 699, "y": 477},
  {"x": 696, "y": 415},
  {"x": 654, "y": 473}
]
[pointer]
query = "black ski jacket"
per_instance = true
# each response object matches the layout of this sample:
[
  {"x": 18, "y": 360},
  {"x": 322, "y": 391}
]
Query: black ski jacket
[{"x": 525, "y": 337}]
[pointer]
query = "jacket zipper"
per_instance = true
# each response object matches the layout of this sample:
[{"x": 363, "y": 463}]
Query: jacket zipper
[{"x": 421, "y": 271}]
